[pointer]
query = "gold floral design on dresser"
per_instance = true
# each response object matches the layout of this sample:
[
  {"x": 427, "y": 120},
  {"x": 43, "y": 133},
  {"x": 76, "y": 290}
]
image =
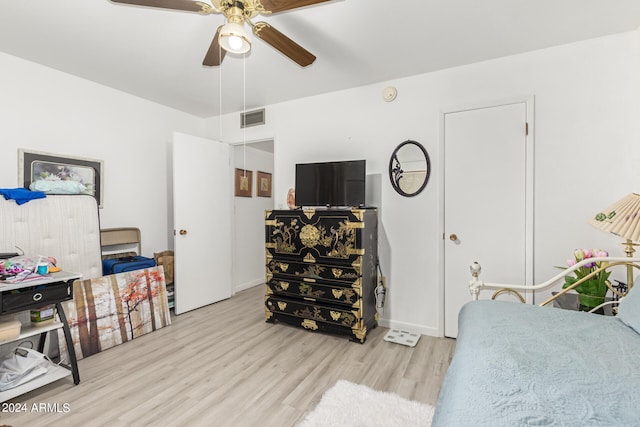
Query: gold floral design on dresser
[
  {"x": 277, "y": 267},
  {"x": 343, "y": 239},
  {"x": 313, "y": 271},
  {"x": 348, "y": 294},
  {"x": 345, "y": 318},
  {"x": 307, "y": 291},
  {"x": 334, "y": 239},
  {"x": 283, "y": 236},
  {"x": 339, "y": 241},
  {"x": 308, "y": 313}
]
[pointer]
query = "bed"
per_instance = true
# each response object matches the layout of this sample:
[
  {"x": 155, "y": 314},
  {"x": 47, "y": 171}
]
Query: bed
[{"x": 519, "y": 364}]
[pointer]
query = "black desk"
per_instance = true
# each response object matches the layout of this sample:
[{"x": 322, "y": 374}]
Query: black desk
[{"x": 52, "y": 289}]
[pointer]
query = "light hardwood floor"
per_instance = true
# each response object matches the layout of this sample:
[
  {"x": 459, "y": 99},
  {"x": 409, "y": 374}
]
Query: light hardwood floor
[{"x": 223, "y": 365}]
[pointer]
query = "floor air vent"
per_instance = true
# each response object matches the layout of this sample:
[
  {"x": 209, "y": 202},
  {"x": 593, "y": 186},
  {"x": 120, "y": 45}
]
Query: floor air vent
[{"x": 252, "y": 118}]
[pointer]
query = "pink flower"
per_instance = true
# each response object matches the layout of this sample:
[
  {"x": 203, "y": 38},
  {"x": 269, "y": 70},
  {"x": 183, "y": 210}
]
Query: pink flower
[{"x": 571, "y": 262}]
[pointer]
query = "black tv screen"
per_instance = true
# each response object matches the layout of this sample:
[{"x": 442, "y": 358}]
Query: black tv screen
[{"x": 331, "y": 183}]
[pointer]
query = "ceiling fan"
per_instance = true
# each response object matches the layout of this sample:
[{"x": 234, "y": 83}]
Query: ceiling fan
[{"x": 231, "y": 36}]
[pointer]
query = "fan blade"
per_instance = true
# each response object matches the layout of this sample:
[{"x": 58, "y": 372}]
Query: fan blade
[
  {"x": 275, "y": 6},
  {"x": 188, "y": 5},
  {"x": 215, "y": 54},
  {"x": 284, "y": 44}
]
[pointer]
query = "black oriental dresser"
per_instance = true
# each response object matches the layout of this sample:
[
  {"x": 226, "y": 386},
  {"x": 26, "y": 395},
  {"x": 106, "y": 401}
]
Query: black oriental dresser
[{"x": 321, "y": 269}]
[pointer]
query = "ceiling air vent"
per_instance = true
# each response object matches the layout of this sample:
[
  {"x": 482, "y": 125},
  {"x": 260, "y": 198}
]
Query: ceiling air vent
[{"x": 252, "y": 118}]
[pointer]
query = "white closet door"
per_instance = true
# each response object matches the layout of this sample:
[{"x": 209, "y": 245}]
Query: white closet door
[
  {"x": 485, "y": 195},
  {"x": 202, "y": 205}
]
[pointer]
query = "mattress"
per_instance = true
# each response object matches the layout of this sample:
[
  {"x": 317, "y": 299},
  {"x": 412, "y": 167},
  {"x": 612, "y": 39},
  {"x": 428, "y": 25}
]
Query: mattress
[{"x": 66, "y": 227}]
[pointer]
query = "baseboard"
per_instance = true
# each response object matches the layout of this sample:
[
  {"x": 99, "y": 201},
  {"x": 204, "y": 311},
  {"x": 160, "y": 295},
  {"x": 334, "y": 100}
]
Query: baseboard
[
  {"x": 408, "y": 327},
  {"x": 247, "y": 285}
]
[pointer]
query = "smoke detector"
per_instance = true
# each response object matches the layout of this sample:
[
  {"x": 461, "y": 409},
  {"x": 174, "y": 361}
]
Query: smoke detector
[{"x": 389, "y": 93}]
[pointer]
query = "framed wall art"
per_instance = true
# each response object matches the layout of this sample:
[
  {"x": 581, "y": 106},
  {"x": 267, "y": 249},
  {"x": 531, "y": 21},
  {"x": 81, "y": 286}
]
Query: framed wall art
[
  {"x": 243, "y": 183},
  {"x": 264, "y": 184},
  {"x": 60, "y": 174}
]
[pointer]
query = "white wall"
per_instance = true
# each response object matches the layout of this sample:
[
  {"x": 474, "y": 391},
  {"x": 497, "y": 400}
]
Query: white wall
[
  {"x": 45, "y": 110},
  {"x": 248, "y": 236},
  {"x": 586, "y": 135},
  {"x": 586, "y": 153}
]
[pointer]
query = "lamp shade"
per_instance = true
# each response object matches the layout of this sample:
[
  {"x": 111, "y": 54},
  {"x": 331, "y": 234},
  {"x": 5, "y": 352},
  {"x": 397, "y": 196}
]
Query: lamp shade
[
  {"x": 622, "y": 218},
  {"x": 233, "y": 38}
]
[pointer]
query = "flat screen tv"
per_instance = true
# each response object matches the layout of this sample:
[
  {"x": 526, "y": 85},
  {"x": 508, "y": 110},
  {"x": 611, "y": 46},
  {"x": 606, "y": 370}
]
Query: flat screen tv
[{"x": 331, "y": 183}]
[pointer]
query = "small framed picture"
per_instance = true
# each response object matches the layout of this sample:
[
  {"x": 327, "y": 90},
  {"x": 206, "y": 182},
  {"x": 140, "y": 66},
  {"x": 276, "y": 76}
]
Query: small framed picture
[
  {"x": 60, "y": 174},
  {"x": 243, "y": 183},
  {"x": 264, "y": 184}
]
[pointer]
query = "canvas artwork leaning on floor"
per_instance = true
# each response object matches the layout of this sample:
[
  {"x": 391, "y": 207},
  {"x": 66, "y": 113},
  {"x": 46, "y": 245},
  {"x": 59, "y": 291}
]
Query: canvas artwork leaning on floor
[{"x": 111, "y": 310}]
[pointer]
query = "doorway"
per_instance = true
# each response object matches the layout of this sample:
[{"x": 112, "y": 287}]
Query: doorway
[
  {"x": 488, "y": 199},
  {"x": 248, "y": 219}
]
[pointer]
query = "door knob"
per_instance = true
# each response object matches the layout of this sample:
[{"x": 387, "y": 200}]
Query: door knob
[
  {"x": 183, "y": 232},
  {"x": 453, "y": 237}
]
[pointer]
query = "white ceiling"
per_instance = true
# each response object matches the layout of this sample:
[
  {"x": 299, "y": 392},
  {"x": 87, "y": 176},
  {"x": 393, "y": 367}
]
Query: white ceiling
[{"x": 157, "y": 54}]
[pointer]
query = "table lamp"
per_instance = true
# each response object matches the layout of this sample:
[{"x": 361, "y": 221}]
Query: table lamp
[{"x": 622, "y": 219}]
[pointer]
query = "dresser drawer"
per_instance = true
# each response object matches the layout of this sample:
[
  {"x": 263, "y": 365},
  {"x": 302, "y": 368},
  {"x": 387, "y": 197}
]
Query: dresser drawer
[
  {"x": 35, "y": 296},
  {"x": 312, "y": 291},
  {"x": 357, "y": 334},
  {"x": 340, "y": 275},
  {"x": 316, "y": 311}
]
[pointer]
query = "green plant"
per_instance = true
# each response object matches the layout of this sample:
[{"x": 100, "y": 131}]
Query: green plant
[{"x": 592, "y": 291}]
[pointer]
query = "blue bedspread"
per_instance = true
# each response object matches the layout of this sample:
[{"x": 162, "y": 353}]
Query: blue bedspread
[{"x": 520, "y": 365}]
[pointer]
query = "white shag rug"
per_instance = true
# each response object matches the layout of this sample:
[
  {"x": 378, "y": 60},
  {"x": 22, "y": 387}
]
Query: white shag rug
[{"x": 352, "y": 405}]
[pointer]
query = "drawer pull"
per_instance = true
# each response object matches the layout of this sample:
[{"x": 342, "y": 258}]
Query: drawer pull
[
  {"x": 37, "y": 296},
  {"x": 283, "y": 266},
  {"x": 284, "y": 285}
]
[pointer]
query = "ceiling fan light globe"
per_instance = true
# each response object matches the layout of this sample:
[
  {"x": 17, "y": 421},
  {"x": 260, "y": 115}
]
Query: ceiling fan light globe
[
  {"x": 235, "y": 42},
  {"x": 234, "y": 39}
]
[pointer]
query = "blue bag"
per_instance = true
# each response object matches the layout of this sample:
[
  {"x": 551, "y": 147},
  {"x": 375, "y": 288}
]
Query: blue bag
[{"x": 128, "y": 263}]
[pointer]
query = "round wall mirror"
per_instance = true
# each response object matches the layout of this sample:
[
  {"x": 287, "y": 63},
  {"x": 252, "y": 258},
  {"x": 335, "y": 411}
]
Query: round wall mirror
[{"x": 409, "y": 168}]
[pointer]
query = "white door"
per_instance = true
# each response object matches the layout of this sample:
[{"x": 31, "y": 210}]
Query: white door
[
  {"x": 202, "y": 222},
  {"x": 486, "y": 197}
]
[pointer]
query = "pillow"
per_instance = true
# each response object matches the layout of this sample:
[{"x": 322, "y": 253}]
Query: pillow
[
  {"x": 58, "y": 186},
  {"x": 629, "y": 308}
]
